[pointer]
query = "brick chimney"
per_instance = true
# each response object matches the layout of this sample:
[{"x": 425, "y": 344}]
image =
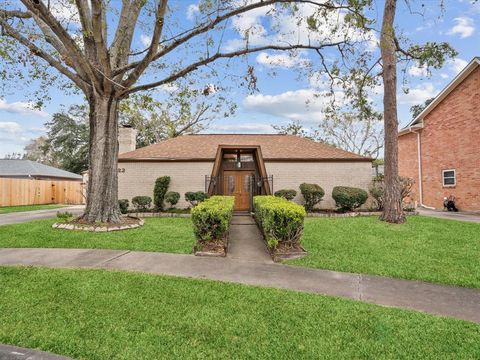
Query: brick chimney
[{"x": 127, "y": 139}]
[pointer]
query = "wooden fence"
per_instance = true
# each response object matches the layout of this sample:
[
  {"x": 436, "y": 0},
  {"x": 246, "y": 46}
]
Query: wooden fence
[{"x": 14, "y": 192}]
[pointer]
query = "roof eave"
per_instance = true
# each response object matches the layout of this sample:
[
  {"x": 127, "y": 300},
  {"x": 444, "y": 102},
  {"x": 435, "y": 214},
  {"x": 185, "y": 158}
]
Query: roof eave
[{"x": 474, "y": 63}]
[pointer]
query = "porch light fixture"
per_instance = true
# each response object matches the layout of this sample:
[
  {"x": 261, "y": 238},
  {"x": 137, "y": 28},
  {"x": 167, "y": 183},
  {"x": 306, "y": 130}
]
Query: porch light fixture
[{"x": 239, "y": 162}]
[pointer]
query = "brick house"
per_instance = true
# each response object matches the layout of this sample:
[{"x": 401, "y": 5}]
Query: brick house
[
  {"x": 440, "y": 148},
  {"x": 237, "y": 164}
]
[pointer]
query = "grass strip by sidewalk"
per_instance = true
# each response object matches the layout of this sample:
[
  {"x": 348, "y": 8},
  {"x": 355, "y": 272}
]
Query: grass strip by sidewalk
[
  {"x": 13, "y": 209},
  {"x": 97, "y": 314},
  {"x": 173, "y": 235},
  {"x": 424, "y": 248}
]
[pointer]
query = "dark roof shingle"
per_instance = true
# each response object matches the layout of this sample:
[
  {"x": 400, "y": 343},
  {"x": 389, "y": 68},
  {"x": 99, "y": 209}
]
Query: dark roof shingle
[
  {"x": 273, "y": 147},
  {"x": 14, "y": 167}
]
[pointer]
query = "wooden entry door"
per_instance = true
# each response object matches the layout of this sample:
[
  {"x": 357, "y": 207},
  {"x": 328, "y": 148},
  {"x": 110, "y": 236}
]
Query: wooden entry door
[{"x": 237, "y": 183}]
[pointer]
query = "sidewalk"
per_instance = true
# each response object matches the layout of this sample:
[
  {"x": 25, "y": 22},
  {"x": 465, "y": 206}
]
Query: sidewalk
[
  {"x": 19, "y": 217},
  {"x": 457, "y": 302},
  {"x": 460, "y": 216}
]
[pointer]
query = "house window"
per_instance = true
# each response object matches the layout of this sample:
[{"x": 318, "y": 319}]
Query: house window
[{"x": 449, "y": 177}]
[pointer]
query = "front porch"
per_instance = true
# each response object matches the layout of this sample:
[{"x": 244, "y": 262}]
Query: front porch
[{"x": 239, "y": 172}]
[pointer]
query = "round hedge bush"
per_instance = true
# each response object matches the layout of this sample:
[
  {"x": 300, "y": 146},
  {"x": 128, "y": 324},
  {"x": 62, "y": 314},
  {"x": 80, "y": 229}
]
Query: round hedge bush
[
  {"x": 288, "y": 194},
  {"x": 312, "y": 193},
  {"x": 349, "y": 198}
]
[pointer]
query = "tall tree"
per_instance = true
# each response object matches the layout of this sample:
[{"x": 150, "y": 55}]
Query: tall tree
[
  {"x": 392, "y": 211},
  {"x": 107, "y": 68}
]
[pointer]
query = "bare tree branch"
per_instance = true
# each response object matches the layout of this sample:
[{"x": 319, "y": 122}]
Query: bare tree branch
[
  {"x": 44, "y": 55},
  {"x": 188, "y": 69},
  {"x": 152, "y": 50}
]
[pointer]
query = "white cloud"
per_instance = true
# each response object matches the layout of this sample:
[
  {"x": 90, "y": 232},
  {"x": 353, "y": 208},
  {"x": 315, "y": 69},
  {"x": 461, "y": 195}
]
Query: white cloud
[
  {"x": 10, "y": 127},
  {"x": 192, "y": 10},
  {"x": 242, "y": 128},
  {"x": 417, "y": 71},
  {"x": 418, "y": 94},
  {"x": 145, "y": 40},
  {"x": 253, "y": 26},
  {"x": 457, "y": 65},
  {"x": 20, "y": 107},
  {"x": 464, "y": 27},
  {"x": 304, "y": 104},
  {"x": 284, "y": 60},
  {"x": 444, "y": 76},
  {"x": 65, "y": 11}
]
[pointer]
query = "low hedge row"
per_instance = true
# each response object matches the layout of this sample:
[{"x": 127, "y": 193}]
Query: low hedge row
[
  {"x": 280, "y": 220},
  {"x": 211, "y": 218}
]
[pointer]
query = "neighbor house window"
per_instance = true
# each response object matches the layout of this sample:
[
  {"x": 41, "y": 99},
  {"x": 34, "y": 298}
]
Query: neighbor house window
[{"x": 449, "y": 177}]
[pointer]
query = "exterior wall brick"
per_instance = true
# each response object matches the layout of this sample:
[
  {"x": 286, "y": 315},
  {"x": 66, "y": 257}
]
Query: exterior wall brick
[
  {"x": 289, "y": 175},
  {"x": 408, "y": 162},
  {"x": 139, "y": 178},
  {"x": 450, "y": 140}
]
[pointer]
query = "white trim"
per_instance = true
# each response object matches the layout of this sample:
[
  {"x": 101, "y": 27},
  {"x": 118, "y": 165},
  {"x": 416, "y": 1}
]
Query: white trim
[
  {"x": 472, "y": 65},
  {"x": 454, "y": 178}
]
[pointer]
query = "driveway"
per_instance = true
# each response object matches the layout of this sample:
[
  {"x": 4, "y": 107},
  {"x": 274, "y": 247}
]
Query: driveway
[
  {"x": 460, "y": 216},
  {"x": 19, "y": 217}
]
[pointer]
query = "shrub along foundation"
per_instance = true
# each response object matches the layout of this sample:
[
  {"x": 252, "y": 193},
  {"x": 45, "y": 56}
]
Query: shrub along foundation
[
  {"x": 211, "y": 224},
  {"x": 281, "y": 223}
]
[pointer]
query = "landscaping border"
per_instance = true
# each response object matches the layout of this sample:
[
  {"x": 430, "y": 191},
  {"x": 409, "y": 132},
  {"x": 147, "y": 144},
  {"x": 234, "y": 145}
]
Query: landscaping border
[
  {"x": 352, "y": 214},
  {"x": 159, "y": 214},
  {"x": 99, "y": 228}
]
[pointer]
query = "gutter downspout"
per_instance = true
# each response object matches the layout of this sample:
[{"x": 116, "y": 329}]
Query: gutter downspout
[{"x": 420, "y": 182}]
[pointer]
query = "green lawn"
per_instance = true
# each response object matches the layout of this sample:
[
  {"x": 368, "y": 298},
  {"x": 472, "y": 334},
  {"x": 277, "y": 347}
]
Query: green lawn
[
  {"x": 434, "y": 250},
  {"x": 159, "y": 234},
  {"x": 95, "y": 314},
  {"x": 11, "y": 209}
]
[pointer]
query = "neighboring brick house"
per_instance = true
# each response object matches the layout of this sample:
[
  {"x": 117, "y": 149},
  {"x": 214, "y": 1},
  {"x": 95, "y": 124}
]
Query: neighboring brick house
[
  {"x": 238, "y": 164},
  {"x": 444, "y": 139}
]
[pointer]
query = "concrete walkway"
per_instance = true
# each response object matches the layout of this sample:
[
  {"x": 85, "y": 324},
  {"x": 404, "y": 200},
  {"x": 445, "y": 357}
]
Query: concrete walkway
[
  {"x": 457, "y": 302},
  {"x": 246, "y": 242},
  {"x": 24, "y": 216},
  {"x": 8, "y": 352},
  {"x": 460, "y": 216}
]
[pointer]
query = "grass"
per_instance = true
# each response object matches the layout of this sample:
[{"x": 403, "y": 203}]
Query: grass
[
  {"x": 434, "y": 250},
  {"x": 96, "y": 314},
  {"x": 173, "y": 235},
  {"x": 12, "y": 209}
]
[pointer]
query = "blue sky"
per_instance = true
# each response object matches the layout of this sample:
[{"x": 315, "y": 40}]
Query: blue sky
[{"x": 289, "y": 94}]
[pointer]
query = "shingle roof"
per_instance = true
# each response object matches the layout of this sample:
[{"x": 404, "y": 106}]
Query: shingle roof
[
  {"x": 15, "y": 167},
  {"x": 273, "y": 147}
]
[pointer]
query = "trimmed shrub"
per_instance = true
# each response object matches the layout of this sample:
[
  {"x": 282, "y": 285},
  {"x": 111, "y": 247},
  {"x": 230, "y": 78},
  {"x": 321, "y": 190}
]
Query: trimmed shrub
[
  {"x": 377, "y": 189},
  {"x": 172, "y": 198},
  {"x": 280, "y": 220},
  {"x": 313, "y": 194},
  {"x": 159, "y": 191},
  {"x": 195, "y": 198},
  {"x": 142, "y": 203},
  {"x": 123, "y": 204},
  {"x": 349, "y": 198},
  {"x": 288, "y": 194},
  {"x": 211, "y": 218}
]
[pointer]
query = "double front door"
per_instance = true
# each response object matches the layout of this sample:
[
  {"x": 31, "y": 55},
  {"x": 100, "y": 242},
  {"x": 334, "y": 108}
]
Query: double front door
[{"x": 238, "y": 184}]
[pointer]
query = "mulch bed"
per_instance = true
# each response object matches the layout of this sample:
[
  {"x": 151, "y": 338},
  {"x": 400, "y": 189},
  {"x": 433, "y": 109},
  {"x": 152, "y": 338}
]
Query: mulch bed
[
  {"x": 211, "y": 247},
  {"x": 128, "y": 222},
  {"x": 285, "y": 251}
]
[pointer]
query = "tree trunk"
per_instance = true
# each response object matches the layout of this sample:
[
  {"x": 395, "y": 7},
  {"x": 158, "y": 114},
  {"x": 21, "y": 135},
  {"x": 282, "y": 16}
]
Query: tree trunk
[
  {"x": 102, "y": 193},
  {"x": 392, "y": 211}
]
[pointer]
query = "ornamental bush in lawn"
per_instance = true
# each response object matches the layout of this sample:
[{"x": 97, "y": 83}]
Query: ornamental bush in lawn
[
  {"x": 280, "y": 220},
  {"x": 349, "y": 198},
  {"x": 288, "y": 194},
  {"x": 211, "y": 218},
  {"x": 172, "y": 198},
  {"x": 313, "y": 194},
  {"x": 142, "y": 203},
  {"x": 159, "y": 191}
]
